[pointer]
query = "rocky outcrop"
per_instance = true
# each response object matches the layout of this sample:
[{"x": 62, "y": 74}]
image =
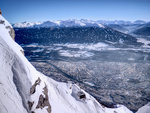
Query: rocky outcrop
[
  {"x": 11, "y": 32},
  {"x": 44, "y": 101},
  {"x": 30, "y": 104},
  {"x": 33, "y": 88},
  {"x": 43, "y": 98},
  {"x": 81, "y": 95},
  {"x": 2, "y": 22}
]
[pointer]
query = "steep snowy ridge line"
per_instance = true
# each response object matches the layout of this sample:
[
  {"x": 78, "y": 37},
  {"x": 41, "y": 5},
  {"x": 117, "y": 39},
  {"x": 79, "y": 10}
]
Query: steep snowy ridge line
[
  {"x": 8, "y": 87},
  {"x": 33, "y": 92}
]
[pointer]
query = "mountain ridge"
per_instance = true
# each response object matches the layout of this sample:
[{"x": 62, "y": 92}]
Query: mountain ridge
[{"x": 74, "y": 23}]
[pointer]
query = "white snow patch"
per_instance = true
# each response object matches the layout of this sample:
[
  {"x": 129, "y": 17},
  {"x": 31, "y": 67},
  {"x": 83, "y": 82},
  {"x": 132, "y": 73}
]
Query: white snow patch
[
  {"x": 91, "y": 46},
  {"x": 81, "y": 54},
  {"x": 131, "y": 59},
  {"x": 144, "y": 41},
  {"x": 38, "y": 50},
  {"x": 100, "y": 25},
  {"x": 99, "y": 47},
  {"x": 89, "y": 83},
  {"x": 31, "y": 45}
]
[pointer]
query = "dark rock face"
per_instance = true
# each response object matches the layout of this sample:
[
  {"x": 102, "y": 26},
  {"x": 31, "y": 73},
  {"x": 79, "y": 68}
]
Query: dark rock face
[
  {"x": 30, "y": 104},
  {"x": 37, "y": 82},
  {"x": 81, "y": 95},
  {"x": 2, "y": 22},
  {"x": 40, "y": 102},
  {"x": 11, "y": 32},
  {"x": 44, "y": 101}
]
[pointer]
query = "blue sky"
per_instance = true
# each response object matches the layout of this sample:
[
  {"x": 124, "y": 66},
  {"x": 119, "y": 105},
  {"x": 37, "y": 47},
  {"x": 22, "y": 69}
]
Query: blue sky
[{"x": 41, "y": 10}]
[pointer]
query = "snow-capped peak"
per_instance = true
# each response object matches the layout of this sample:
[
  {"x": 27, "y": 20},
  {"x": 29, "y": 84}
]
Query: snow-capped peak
[
  {"x": 75, "y": 23},
  {"x": 60, "y": 23},
  {"x": 26, "y": 24}
]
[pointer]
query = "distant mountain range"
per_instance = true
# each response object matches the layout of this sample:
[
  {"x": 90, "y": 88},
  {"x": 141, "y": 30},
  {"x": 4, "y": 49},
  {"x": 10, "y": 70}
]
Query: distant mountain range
[{"x": 75, "y": 23}]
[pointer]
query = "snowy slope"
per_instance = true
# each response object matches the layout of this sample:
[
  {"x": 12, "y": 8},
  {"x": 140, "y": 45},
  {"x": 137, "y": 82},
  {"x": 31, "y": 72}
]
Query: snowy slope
[{"x": 25, "y": 90}]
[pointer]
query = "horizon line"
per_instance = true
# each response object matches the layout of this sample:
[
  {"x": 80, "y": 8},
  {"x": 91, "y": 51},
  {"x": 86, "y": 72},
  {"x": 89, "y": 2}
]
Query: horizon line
[{"x": 83, "y": 19}]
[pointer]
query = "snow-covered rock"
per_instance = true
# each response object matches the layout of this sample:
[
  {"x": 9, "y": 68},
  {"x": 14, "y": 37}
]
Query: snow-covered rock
[{"x": 25, "y": 90}]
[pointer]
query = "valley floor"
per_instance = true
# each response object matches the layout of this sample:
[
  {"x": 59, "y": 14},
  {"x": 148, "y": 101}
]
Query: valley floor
[{"x": 109, "y": 82}]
